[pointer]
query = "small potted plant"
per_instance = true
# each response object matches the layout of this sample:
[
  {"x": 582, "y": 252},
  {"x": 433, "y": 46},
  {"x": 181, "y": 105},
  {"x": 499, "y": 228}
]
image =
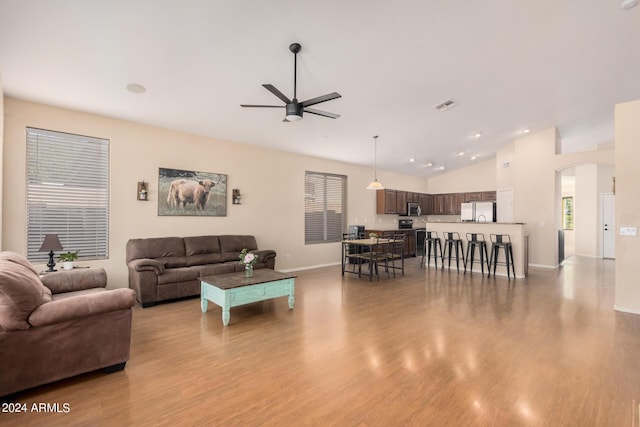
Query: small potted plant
[
  {"x": 67, "y": 259},
  {"x": 373, "y": 236}
]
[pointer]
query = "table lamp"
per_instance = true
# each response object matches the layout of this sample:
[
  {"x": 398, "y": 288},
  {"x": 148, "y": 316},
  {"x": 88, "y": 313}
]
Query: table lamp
[{"x": 51, "y": 243}]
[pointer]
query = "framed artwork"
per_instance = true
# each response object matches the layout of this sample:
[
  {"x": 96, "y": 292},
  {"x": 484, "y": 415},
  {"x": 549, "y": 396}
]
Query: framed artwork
[
  {"x": 567, "y": 213},
  {"x": 191, "y": 193}
]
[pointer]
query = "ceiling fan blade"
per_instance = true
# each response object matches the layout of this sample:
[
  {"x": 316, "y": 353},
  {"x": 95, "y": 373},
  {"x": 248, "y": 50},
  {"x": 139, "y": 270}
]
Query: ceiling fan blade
[
  {"x": 276, "y": 92},
  {"x": 262, "y": 106},
  {"x": 321, "y": 113},
  {"x": 319, "y": 99}
]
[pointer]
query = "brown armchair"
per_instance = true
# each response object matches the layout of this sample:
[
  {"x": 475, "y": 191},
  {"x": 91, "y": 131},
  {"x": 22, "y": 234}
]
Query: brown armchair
[{"x": 58, "y": 326}]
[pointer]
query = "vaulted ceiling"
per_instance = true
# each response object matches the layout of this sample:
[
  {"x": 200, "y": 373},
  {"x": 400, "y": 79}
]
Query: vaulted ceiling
[{"x": 508, "y": 66}]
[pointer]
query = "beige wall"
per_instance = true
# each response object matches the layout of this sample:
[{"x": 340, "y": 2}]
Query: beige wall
[
  {"x": 271, "y": 183},
  {"x": 586, "y": 210},
  {"x": 480, "y": 176},
  {"x": 627, "y": 141},
  {"x": 530, "y": 167}
]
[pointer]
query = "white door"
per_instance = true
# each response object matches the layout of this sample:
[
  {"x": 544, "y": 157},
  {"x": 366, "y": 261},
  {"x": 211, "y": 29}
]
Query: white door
[
  {"x": 608, "y": 226},
  {"x": 504, "y": 205}
]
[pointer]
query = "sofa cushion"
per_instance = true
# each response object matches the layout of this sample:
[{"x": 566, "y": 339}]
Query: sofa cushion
[
  {"x": 167, "y": 250},
  {"x": 21, "y": 291},
  {"x": 230, "y": 246},
  {"x": 213, "y": 269},
  {"x": 202, "y": 250},
  {"x": 174, "y": 275}
]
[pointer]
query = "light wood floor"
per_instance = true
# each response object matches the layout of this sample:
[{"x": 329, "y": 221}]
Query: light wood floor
[{"x": 430, "y": 349}]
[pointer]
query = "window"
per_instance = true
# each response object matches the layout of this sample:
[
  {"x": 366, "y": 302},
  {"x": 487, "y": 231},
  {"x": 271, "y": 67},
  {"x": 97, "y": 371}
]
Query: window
[
  {"x": 324, "y": 207},
  {"x": 67, "y": 193},
  {"x": 567, "y": 213}
]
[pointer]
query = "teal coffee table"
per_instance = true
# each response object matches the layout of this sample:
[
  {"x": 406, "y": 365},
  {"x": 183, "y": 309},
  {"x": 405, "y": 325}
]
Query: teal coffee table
[{"x": 234, "y": 289}]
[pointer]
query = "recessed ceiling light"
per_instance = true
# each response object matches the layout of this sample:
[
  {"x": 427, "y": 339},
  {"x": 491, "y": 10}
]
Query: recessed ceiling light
[
  {"x": 429, "y": 164},
  {"x": 441, "y": 168},
  {"x": 473, "y": 157},
  {"x": 526, "y": 130},
  {"x": 412, "y": 159},
  {"x": 460, "y": 153},
  {"x": 628, "y": 4},
  {"x": 477, "y": 135},
  {"x": 136, "y": 88}
]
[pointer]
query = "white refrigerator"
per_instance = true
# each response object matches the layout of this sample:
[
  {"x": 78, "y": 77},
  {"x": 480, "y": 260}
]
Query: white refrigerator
[{"x": 478, "y": 211}]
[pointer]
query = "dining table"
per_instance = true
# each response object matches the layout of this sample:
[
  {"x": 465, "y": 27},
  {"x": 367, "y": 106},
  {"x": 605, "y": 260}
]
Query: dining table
[{"x": 362, "y": 250}]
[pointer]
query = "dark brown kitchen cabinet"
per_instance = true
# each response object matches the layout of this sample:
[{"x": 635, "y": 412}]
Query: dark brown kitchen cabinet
[
  {"x": 480, "y": 196},
  {"x": 458, "y": 200},
  {"x": 401, "y": 202},
  {"x": 439, "y": 204},
  {"x": 488, "y": 196},
  {"x": 473, "y": 197},
  {"x": 426, "y": 203},
  {"x": 386, "y": 201}
]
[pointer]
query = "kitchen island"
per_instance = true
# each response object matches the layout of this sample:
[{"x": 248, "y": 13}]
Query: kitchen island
[{"x": 515, "y": 230}]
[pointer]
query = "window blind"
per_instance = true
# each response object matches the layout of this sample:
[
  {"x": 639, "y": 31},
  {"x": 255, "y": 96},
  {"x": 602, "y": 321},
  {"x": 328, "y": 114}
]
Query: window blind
[
  {"x": 324, "y": 207},
  {"x": 67, "y": 193}
]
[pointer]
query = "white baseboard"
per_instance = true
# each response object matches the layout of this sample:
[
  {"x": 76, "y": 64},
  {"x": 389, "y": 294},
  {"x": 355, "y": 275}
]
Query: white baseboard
[
  {"x": 545, "y": 266},
  {"x": 625, "y": 310},
  {"x": 309, "y": 267}
]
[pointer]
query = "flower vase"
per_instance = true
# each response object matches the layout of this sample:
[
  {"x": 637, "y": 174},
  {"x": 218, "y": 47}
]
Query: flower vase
[{"x": 248, "y": 270}]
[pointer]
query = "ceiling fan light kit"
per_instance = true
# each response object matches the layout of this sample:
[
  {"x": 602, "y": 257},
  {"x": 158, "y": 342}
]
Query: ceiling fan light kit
[{"x": 293, "y": 108}]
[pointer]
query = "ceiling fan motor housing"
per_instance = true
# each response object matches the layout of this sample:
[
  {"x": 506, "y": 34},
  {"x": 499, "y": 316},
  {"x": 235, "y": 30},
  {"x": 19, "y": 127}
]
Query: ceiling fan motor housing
[{"x": 294, "y": 109}]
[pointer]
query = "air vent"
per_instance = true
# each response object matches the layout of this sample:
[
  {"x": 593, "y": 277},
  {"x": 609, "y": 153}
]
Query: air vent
[{"x": 449, "y": 103}]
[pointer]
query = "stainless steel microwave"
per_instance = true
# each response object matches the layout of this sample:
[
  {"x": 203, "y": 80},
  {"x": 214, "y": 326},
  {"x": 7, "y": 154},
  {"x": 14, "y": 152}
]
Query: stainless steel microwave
[{"x": 413, "y": 209}]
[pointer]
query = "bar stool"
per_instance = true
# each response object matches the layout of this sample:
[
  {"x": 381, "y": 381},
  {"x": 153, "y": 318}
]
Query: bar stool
[
  {"x": 476, "y": 240},
  {"x": 452, "y": 240},
  {"x": 502, "y": 241},
  {"x": 432, "y": 240}
]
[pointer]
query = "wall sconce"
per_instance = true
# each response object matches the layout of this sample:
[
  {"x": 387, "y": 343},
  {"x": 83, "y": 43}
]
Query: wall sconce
[
  {"x": 236, "y": 196},
  {"x": 143, "y": 191}
]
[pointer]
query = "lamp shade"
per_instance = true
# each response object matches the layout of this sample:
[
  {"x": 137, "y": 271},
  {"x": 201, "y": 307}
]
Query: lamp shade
[
  {"x": 375, "y": 185},
  {"x": 51, "y": 243}
]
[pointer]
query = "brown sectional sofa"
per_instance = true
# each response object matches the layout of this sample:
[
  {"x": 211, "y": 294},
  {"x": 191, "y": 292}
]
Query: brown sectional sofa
[
  {"x": 166, "y": 268},
  {"x": 59, "y": 325}
]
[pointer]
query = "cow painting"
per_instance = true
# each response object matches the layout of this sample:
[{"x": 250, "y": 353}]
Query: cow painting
[{"x": 184, "y": 192}]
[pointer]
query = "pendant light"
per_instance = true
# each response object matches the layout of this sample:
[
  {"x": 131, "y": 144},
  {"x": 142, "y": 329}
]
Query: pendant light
[{"x": 375, "y": 184}]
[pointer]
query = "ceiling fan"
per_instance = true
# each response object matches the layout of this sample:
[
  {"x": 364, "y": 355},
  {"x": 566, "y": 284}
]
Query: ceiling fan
[{"x": 294, "y": 109}]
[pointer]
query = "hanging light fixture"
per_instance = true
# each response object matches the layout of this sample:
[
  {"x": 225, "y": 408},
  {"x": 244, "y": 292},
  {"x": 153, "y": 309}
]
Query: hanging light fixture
[{"x": 375, "y": 184}]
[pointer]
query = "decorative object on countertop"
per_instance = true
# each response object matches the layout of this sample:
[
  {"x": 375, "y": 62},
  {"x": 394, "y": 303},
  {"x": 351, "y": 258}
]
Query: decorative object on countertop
[
  {"x": 143, "y": 190},
  {"x": 51, "y": 243},
  {"x": 375, "y": 184},
  {"x": 373, "y": 236},
  {"x": 248, "y": 259},
  {"x": 236, "y": 196}
]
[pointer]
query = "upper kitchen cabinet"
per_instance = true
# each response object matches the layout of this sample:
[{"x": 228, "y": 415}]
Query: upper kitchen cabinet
[
  {"x": 426, "y": 203},
  {"x": 401, "y": 202},
  {"x": 386, "y": 201},
  {"x": 489, "y": 196},
  {"x": 458, "y": 200},
  {"x": 447, "y": 204},
  {"x": 480, "y": 196}
]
